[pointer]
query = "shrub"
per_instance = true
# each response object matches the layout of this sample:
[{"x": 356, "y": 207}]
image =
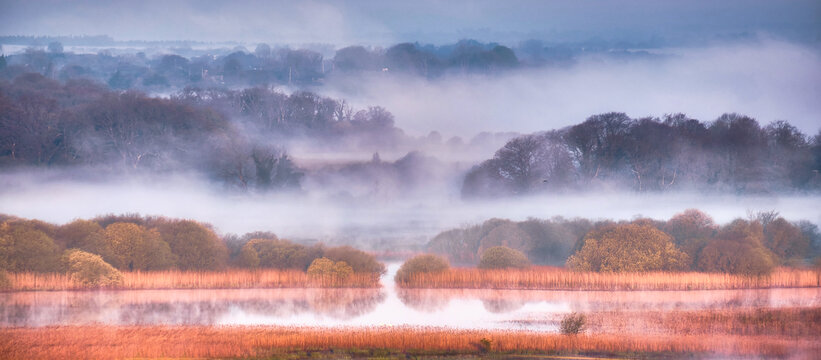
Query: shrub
[
  {"x": 425, "y": 263},
  {"x": 507, "y": 233},
  {"x": 691, "y": 231},
  {"x": 503, "y": 257},
  {"x": 89, "y": 269},
  {"x": 485, "y": 345},
  {"x": 234, "y": 243},
  {"x": 5, "y": 282},
  {"x": 786, "y": 240},
  {"x": 85, "y": 235},
  {"x": 195, "y": 246},
  {"x": 573, "y": 323},
  {"x": 544, "y": 241},
  {"x": 738, "y": 249},
  {"x": 278, "y": 254},
  {"x": 553, "y": 239},
  {"x": 75, "y": 233},
  {"x": 324, "y": 267},
  {"x": 628, "y": 248},
  {"x": 248, "y": 257},
  {"x": 132, "y": 247},
  {"x": 6, "y": 248},
  {"x": 24, "y": 248},
  {"x": 360, "y": 261},
  {"x": 736, "y": 258}
]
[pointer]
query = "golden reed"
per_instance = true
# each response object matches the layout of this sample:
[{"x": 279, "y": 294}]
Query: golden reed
[
  {"x": 109, "y": 342},
  {"x": 551, "y": 278},
  {"x": 174, "y": 279}
]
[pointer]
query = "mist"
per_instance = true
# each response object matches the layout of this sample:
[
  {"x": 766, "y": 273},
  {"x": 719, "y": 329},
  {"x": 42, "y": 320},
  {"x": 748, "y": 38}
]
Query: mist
[
  {"x": 766, "y": 79},
  {"x": 406, "y": 222},
  {"x": 484, "y": 178}
]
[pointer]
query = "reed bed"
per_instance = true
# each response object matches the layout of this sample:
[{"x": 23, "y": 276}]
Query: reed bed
[
  {"x": 551, "y": 278},
  {"x": 101, "y": 342},
  {"x": 150, "y": 296},
  {"x": 174, "y": 279},
  {"x": 789, "y": 322}
]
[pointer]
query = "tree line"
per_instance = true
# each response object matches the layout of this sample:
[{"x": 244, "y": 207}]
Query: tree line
[
  {"x": 263, "y": 66},
  {"x": 733, "y": 153},
  {"x": 233, "y": 136},
  {"x": 690, "y": 240},
  {"x": 146, "y": 243}
]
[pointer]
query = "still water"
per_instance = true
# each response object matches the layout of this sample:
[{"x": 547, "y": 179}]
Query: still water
[{"x": 386, "y": 306}]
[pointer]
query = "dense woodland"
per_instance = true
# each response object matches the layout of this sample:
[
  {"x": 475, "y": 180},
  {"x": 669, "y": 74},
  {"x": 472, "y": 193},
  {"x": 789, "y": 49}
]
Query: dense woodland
[
  {"x": 226, "y": 135},
  {"x": 240, "y": 138},
  {"x": 58, "y": 108},
  {"x": 690, "y": 240},
  {"x": 733, "y": 153}
]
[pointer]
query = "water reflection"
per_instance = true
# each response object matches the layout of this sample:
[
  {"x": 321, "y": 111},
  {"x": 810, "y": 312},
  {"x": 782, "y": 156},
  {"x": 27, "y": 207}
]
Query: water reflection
[
  {"x": 180, "y": 307},
  {"x": 386, "y": 306},
  {"x": 507, "y": 301}
]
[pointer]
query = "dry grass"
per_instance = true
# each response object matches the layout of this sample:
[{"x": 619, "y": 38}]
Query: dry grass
[
  {"x": 550, "y": 278},
  {"x": 786, "y": 322},
  {"x": 230, "y": 279},
  {"x": 101, "y": 342}
]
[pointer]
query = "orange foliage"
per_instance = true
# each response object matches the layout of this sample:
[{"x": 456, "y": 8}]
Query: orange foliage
[
  {"x": 175, "y": 279},
  {"x": 550, "y": 278},
  {"x": 103, "y": 342}
]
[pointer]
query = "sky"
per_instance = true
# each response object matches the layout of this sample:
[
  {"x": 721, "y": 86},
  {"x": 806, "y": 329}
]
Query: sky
[{"x": 379, "y": 22}]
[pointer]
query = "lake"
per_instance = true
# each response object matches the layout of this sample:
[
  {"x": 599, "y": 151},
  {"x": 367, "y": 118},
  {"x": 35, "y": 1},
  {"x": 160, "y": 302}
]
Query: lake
[{"x": 531, "y": 310}]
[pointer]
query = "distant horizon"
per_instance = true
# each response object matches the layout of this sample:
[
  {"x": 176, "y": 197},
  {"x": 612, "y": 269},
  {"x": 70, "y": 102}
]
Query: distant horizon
[{"x": 427, "y": 21}]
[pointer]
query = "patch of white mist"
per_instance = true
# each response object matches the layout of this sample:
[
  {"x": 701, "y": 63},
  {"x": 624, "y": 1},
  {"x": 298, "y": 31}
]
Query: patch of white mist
[
  {"x": 766, "y": 79},
  {"x": 368, "y": 222}
]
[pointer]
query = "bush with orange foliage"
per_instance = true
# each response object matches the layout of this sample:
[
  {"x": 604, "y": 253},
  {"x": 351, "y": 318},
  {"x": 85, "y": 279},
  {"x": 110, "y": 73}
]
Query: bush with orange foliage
[{"x": 628, "y": 248}]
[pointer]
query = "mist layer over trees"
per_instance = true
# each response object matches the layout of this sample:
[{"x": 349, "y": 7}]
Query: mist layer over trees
[
  {"x": 45, "y": 123},
  {"x": 239, "y": 138},
  {"x": 733, "y": 153}
]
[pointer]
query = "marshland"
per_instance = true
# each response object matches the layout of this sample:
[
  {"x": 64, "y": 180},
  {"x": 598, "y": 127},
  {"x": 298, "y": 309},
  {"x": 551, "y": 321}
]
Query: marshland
[{"x": 368, "y": 179}]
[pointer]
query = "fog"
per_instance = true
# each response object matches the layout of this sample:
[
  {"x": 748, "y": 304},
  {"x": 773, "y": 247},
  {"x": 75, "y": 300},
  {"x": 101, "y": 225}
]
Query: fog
[
  {"x": 766, "y": 79},
  {"x": 383, "y": 124},
  {"x": 394, "y": 222}
]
